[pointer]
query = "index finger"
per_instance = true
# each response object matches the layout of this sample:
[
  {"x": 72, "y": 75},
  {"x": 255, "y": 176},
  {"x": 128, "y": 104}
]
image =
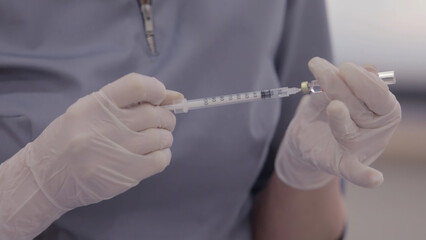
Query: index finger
[
  {"x": 336, "y": 88},
  {"x": 133, "y": 88},
  {"x": 368, "y": 87}
]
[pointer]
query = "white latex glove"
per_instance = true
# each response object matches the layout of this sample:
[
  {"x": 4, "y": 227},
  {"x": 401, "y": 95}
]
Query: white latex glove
[
  {"x": 100, "y": 147},
  {"x": 339, "y": 132}
]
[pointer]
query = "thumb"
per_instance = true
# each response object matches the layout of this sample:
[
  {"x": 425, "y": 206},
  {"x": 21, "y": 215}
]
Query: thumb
[
  {"x": 171, "y": 96},
  {"x": 359, "y": 174},
  {"x": 133, "y": 88}
]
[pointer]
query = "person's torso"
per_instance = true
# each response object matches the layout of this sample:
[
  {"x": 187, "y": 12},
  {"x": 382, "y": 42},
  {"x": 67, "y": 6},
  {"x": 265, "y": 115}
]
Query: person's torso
[{"x": 53, "y": 52}]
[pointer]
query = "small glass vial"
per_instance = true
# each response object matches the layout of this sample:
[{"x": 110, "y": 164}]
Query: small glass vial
[
  {"x": 314, "y": 87},
  {"x": 311, "y": 87}
]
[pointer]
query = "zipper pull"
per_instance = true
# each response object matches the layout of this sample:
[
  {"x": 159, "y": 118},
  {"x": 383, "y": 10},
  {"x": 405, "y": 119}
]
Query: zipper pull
[{"x": 149, "y": 25}]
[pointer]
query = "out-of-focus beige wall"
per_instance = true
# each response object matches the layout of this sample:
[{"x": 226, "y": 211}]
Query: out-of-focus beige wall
[{"x": 389, "y": 33}]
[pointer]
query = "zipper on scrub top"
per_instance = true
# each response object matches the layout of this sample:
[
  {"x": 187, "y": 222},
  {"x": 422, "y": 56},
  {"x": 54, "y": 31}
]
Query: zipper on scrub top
[{"x": 149, "y": 25}]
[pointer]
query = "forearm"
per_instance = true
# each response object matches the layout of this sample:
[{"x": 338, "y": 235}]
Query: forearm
[
  {"x": 282, "y": 212},
  {"x": 24, "y": 209}
]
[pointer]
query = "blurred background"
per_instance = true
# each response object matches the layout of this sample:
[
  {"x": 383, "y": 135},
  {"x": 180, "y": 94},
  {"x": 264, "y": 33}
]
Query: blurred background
[{"x": 392, "y": 35}]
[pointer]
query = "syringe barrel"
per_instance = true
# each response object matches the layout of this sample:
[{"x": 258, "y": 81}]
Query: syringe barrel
[
  {"x": 183, "y": 105},
  {"x": 178, "y": 106}
]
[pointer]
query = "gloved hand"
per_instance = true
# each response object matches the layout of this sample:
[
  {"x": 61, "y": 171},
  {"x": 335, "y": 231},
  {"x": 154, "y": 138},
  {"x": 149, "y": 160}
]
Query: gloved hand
[
  {"x": 100, "y": 147},
  {"x": 341, "y": 131}
]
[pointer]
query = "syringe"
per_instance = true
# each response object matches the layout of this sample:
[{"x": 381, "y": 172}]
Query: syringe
[{"x": 184, "y": 105}]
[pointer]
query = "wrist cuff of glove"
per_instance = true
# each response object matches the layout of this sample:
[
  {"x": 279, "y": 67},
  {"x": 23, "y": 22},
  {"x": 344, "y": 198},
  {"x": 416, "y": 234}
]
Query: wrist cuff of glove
[
  {"x": 25, "y": 211},
  {"x": 300, "y": 175}
]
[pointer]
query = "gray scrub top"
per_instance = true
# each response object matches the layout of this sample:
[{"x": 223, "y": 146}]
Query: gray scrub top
[{"x": 53, "y": 52}]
